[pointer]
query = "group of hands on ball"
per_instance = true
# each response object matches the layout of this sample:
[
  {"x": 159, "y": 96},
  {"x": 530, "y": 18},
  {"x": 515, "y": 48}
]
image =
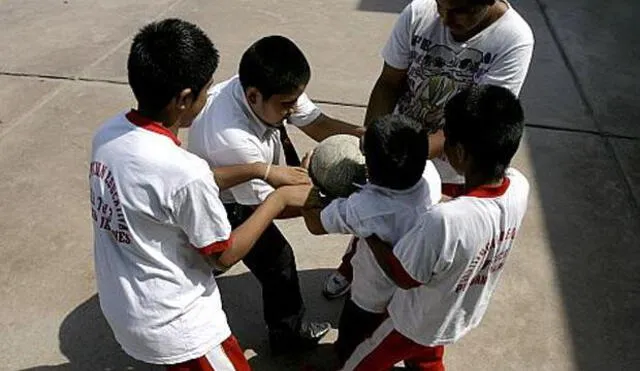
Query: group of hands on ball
[{"x": 293, "y": 185}]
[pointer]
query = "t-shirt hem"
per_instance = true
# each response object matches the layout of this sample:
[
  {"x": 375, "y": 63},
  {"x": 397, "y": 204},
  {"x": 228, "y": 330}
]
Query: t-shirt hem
[
  {"x": 418, "y": 340},
  {"x": 366, "y": 307},
  {"x": 193, "y": 354}
]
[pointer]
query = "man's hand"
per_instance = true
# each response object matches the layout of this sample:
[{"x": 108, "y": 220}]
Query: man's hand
[
  {"x": 280, "y": 176},
  {"x": 436, "y": 144},
  {"x": 434, "y": 119}
]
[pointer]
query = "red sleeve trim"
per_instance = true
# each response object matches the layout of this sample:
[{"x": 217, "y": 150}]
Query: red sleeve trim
[
  {"x": 398, "y": 274},
  {"x": 216, "y": 247}
]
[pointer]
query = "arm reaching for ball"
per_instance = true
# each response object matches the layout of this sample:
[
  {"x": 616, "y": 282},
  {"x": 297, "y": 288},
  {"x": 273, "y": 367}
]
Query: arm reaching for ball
[{"x": 311, "y": 212}]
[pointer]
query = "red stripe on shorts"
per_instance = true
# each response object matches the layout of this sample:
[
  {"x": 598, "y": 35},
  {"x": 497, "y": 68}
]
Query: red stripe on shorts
[
  {"x": 395, "y": 348},
  {"x": 198, "y": 364},
  {"x": 234, "y": 352}
]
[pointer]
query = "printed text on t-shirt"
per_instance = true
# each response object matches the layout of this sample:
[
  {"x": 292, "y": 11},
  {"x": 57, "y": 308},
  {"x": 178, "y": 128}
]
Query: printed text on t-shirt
[
  {"x": 472, "y": 275},
  {"x": 106, "y": 209}
]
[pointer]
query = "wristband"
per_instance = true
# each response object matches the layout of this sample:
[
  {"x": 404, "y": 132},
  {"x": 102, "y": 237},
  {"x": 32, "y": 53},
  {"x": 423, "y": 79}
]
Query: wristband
[{"x": 266, "y": 173}]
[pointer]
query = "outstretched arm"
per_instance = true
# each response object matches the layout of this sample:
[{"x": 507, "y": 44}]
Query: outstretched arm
[
  {"x": 311, "y": 213},
  {"x": 391, "y": 266},
  {"x": 325, "y": 126},
  {"x": 386, "y": 93},
  {"x": 277, "y": 176},
  {"x": 245, "y": 236}
]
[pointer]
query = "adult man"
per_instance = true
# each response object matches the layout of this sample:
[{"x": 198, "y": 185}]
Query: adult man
[{"x": 436, "y": 49}]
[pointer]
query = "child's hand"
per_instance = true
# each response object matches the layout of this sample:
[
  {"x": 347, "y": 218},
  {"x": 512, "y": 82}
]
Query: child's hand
[
  {"x": 306, "y": 160},
  {"x": 294, "y": 196},
  {"x": 280, "y": 176},
  {"x": 315, "y": 200}
]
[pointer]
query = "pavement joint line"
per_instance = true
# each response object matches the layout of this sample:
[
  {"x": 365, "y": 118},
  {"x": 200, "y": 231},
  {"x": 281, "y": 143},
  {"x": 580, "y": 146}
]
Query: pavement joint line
[
  {"x": 566, "y": 60},
  {"x": 68, "y": 78},
  {"x": 65, "y": 84},
  {"x": 343, "y": 104},
  {"x": 602, "y": 134},
  {"x": 41, "y": 103},
  {"x": 585, "y": 100},
  {"x": 127, "y": 39},
  {"x": 319, "y": 101}
]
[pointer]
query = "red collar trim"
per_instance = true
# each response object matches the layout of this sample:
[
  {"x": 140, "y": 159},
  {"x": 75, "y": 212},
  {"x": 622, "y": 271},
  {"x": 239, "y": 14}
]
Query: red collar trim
[
  {"x": 489, "y": 192},
  {"x": 137, "y": 119}
]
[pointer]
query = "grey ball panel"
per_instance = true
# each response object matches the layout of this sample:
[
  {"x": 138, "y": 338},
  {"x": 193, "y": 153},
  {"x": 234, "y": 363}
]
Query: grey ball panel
[{"x": 336, "y": 164}]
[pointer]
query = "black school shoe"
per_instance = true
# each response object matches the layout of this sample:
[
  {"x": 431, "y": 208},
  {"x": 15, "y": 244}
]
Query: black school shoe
[{"x": 308, "y": 336}]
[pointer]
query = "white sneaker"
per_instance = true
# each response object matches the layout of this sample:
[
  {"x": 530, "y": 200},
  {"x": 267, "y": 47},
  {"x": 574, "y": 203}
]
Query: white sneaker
[{"x": 335, "y": 285}]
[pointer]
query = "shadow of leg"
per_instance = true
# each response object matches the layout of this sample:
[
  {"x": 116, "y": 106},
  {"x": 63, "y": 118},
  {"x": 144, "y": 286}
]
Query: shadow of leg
[
  {"x": 242, "y": 301},
  {"x": 87, "y": 341}
]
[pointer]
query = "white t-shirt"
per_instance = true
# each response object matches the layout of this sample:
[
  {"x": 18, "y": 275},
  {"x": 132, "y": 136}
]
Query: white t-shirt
[
  {"x": 155, "y": 209},
  {"x": 389, "y": 214},
  {"x": 227, "y": 132},
  {"x": 454, "y": 257},
  {"x": 438, "y": 66}
]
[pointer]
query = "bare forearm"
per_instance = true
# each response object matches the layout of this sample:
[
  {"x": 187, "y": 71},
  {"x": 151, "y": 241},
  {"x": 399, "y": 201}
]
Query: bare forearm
[
  {"x": 325, "y": 126},
  {"x": 248, "y": 233},
  {"x": 313, "y": 221},
  {"x": 334, "y": 126},
  {"x": 383, "y": 252},
  {"x": 290, "y": 212},
  {"x": 382, "y": 101},
  {"x": 229, "y": 176},
  {"x": 436, "y": 144}
]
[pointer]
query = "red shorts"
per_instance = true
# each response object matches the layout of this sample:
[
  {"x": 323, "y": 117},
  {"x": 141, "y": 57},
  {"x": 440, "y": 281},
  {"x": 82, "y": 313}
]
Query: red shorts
[
  {"x": 386, "y": 347},
  {"x": 227, "y": 356}
]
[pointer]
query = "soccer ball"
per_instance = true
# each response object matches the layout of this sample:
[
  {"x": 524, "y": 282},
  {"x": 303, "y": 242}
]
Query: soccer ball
[{"x": 337, "y": 166}]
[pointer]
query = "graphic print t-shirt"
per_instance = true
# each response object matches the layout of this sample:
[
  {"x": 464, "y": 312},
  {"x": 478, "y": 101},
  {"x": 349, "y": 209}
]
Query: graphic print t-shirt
[{"x": 439, "y": 67}]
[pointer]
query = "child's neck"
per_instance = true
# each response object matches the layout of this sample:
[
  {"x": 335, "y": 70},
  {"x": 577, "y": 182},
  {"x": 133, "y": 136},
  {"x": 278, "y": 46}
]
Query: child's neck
[
  {"x": 161, "y": 118},
  {"x": 475, "y": 180}
]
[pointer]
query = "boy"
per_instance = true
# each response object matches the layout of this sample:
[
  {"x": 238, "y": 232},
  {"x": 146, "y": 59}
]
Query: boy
[
  {"x": 159, "y": 225},
  {"x": 398, "y": 191},
  {"x": 437, "y": 48},
  {"x": 242, "y": 123},
  {"x": 449, "y": 264}
]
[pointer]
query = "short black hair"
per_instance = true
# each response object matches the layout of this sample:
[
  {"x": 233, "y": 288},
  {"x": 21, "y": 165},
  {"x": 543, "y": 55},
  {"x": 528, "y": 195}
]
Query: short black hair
[
  {"x": 274, "y": 65},
  {"x": 488, "y": 121},
  {"x": 167, "y": 57},
  {"x": 395, "y": 150}
]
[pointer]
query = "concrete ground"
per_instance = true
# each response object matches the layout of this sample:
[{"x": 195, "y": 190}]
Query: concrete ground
[{"x": 569, "y": 298}]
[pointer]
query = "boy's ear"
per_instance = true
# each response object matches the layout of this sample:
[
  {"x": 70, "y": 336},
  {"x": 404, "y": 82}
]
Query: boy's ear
[
  {"x": 184, "y": 99},
  {"x": 253, "y": 95}
]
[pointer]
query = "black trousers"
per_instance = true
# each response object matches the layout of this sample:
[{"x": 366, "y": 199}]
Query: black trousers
[
  {"x": 272, "y": 262},
  {"x": 356, "y": 325}
]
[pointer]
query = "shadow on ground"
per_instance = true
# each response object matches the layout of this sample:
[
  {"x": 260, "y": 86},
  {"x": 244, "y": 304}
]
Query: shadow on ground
[
  {"x": 593, "y": 233},
  {"x": 386, "y": 6},
  {"x": 88, "y": 343}
]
